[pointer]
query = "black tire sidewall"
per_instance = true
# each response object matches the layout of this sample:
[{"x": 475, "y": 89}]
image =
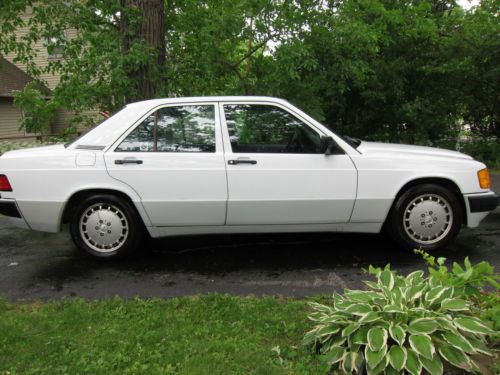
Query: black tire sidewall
[
  {"x": 135, "y": 226},
  {"x": 397, "y": 230}
]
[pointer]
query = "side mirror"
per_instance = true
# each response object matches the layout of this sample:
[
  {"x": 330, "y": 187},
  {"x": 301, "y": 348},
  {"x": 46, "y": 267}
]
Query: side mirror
[{"x": 330, "y": 147}]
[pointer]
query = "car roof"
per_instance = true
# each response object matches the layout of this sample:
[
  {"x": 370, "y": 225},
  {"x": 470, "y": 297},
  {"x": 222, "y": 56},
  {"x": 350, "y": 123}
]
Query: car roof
[{"x": 195, "y": 99}]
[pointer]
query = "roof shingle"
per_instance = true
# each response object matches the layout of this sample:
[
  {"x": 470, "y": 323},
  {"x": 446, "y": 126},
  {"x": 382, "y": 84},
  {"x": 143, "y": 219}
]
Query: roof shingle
[{"x": 12, "y": 78}]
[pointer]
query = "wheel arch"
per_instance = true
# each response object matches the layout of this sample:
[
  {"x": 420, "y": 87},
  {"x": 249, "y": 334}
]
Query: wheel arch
[
  {"x": 77, "y": 196},
  {"x": 441, "y": 181}
]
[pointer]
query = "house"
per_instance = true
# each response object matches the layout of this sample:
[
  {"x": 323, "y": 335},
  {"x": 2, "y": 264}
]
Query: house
[{"x": 13, "y": 77}]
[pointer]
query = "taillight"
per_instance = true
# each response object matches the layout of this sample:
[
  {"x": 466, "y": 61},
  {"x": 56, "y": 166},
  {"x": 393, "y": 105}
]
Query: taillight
[{"x": 4, "y": 183}]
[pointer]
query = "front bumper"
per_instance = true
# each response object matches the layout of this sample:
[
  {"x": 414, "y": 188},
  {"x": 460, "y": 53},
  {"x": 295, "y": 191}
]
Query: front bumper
[
  {"x": 483, "y": 203},
  {"x": 478, "y": 206}
]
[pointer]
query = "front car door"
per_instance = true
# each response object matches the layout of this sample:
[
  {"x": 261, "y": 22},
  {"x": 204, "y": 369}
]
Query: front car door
[
  {"x": 174, "y": 160},
  {"x": 277, "y": 172}
]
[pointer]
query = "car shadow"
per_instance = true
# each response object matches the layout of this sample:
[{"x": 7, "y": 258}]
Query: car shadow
[{"x": 274, "y": 254}]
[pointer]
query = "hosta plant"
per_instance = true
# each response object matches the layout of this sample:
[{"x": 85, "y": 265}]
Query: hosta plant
[{"x": 400, "y": 325}]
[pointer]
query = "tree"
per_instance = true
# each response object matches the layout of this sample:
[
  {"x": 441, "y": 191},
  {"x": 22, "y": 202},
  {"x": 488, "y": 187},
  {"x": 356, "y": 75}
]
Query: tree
[
  {"x": 116, "y": 55},
  {"x": 148, "y": 28},
  {"x": 393, "y": 70}
]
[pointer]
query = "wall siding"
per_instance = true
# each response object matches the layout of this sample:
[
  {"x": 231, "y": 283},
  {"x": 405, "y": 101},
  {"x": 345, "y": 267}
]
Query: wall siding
[
  {"x": 10, "y": 119},
  {"x": 42, "y": 60},
  {"x": 42, "y": 57}
]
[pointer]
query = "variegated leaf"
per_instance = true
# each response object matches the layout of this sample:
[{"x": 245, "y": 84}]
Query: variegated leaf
[
  {"x": 350, "y": 329},
  {"x": 472, "y": 325},
  {"x": 480, "y": 346},
  {"x": 434, "y": 366},
  {"x": 377, "y": 338},
  {"x": 459, "y": 342},
  {"x": 359, "y": 309},
  {"x": 454, "y": 304},
  {"x": 369, "y": 318},
  {"x": 397, "y": 333},
  {"x": 422, "y": 326},
  {"x": 413, "y": 364},
  {"x": 374, "y": 358},
  {"x": 436, "y": 293},
  {"x": 422, "y": 345},
  {"x": 397, "y": 357},
  {"x": 386, "y": 278},
  {"x": 454, "y": 356},
  {"x": 415, "y": 277},
  {"x": 335, "y": 355}
]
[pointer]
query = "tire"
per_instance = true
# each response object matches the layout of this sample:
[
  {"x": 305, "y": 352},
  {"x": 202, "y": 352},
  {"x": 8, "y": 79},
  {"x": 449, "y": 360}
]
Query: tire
[
  {"x": 106, "y": 226},
  {"x": 426, "y": 216}
]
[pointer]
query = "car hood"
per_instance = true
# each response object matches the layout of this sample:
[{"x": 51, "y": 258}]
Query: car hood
[
  {"x": 379, "y": 148},
  {"x": 33, "y": 151}
]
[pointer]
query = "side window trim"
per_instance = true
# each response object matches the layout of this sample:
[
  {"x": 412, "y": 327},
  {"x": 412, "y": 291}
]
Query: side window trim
[
  {"x": 217, "y": 119},
  {"x": 225, "y": 130}
]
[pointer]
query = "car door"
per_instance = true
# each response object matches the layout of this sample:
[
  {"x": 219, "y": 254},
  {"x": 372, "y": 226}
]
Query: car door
[
  {"x": 174, "y": 160},
  {"x": 277, "y": 172}
]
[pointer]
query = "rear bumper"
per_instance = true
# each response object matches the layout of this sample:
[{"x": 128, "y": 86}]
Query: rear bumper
[
  {"x": 9, "y": 208},
  {"x": 483, "y": 203}
]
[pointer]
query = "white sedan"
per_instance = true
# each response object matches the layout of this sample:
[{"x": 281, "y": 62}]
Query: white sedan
[{"x": 200, "y": 165}]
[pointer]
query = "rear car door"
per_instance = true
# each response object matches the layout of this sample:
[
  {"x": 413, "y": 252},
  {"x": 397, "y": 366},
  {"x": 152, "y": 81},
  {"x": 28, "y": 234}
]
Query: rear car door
[
  {"x": 174, "y": 160},
  {"x": 276, "y": 169}
]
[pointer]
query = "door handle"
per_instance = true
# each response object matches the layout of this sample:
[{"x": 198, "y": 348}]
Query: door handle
[
  {"x": 241, "y": 161},
  {"x": 128, "y": 161}
]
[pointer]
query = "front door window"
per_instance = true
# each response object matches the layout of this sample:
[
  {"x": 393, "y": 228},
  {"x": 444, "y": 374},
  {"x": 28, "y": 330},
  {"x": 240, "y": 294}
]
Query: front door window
[{"x": 255, "y": 128}]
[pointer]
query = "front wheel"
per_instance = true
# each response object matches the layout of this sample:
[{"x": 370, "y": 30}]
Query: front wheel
[
  {"x": 106, "y": 226},
  {"x": 426, "y": 216}
]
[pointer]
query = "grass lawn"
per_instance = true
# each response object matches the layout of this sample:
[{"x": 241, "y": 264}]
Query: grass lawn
[{"x": 215, "y": 334}]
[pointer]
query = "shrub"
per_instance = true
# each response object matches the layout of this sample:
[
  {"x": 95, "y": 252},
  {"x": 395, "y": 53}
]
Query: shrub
[
  {"x": 38, "y": 110},
  {"x": 467, "y": 280},
  {"x": 401, "y": 324},
  {"x": 485, "y": 150}
]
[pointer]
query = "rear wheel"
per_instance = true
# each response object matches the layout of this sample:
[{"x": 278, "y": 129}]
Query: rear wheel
[
  {"x": 106, "y": 226},
  {"x": 426, "y": 216}
]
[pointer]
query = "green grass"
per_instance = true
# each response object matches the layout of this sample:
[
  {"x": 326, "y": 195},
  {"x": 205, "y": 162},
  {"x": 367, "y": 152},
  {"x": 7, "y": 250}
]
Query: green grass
[{"x": 215, "y": 334}]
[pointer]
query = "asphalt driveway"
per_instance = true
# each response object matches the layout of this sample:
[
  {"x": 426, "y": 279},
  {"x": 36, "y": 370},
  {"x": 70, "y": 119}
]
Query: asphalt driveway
[{"x": 44, "y": 266}]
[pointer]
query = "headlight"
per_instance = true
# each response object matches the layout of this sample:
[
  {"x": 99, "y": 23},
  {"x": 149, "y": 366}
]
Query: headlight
[{"x": 484, "y": 178}]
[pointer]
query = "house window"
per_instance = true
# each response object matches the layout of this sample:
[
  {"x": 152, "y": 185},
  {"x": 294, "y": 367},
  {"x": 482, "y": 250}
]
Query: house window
[{"x": 55, "y": 45}]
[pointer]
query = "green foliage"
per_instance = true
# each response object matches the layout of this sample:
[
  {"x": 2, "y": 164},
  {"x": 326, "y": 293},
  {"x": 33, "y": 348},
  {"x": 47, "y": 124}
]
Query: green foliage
[
  {"x": 38, "y": 110},
  {"x": 467, "y": 280},
  {"x": 214, "y": 334},
  {"x": 485, "y": 150},
  {"x": 9, "y": 145},
  {"x": 403, "y": 71},
  {"x": 400, "y": 324}
]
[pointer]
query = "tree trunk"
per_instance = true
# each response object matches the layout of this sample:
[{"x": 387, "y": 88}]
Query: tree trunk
[{"x": 150, "y": 30}]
